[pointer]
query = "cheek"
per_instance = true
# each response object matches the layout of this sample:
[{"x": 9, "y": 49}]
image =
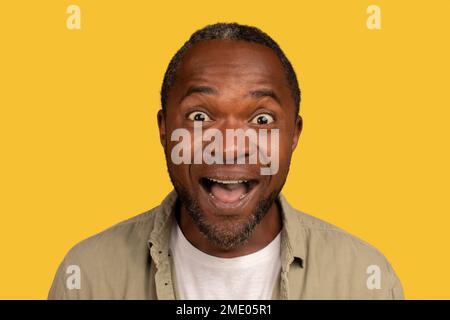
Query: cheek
[
  {"x": 284, "y": 154},
  {"x": 178, "y": 171}
]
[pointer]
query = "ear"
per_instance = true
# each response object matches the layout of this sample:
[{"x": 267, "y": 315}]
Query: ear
[
  {"x": 162, "y": 128},
  {"x": 297, "y": 131}
]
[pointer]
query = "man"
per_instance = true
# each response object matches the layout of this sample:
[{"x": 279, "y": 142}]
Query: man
[{"x": 229, "y": 124}]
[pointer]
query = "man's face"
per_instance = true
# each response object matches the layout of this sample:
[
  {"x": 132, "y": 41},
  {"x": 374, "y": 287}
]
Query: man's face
[{"x": 228, "y": 84}]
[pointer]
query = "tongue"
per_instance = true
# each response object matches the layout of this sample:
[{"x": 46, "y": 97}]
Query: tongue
[{"x": 228, "y": 192}]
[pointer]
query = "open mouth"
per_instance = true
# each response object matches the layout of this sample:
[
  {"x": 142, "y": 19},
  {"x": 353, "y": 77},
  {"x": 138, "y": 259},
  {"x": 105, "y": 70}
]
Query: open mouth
[{"x": 227, "y": 191}]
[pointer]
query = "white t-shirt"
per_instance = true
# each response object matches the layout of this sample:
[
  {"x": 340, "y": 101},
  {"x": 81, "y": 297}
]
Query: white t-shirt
[{"x": 202, "y": 276}]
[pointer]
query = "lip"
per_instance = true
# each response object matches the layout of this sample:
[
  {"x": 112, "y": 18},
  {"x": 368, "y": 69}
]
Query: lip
[{"x": 230, "y": 208}]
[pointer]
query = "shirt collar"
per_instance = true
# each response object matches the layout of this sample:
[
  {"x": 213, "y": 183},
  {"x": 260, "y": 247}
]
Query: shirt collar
[
  {"x": 159, "y": 239},
  {"x": 293, "y": 237}
]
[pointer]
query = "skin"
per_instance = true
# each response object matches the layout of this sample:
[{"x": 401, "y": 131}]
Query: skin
[{"x": 231, "y": 69}]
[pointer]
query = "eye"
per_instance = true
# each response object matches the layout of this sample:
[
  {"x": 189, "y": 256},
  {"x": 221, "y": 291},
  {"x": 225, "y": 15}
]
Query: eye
[
  {"x": 198, "y": 116},
  {"x": 263, "y": 118}
]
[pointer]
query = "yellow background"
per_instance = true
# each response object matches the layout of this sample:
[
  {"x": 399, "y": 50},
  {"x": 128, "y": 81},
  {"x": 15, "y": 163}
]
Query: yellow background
[{"x": 79, "y": 142}]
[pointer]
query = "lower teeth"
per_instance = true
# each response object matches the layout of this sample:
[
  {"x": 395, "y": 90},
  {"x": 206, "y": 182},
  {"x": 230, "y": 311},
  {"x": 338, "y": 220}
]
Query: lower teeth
[{"x": 242, "y": 196}]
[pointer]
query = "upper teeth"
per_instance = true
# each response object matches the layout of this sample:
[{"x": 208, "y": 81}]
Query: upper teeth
[{"x": 227, "y": 181}]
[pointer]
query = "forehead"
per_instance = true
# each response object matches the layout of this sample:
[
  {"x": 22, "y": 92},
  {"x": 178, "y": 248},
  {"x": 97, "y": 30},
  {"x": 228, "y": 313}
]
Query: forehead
[{"x": 232, "y": 64}]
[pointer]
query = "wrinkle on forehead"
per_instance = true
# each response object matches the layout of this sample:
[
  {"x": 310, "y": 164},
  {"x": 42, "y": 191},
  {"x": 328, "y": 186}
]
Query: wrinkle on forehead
[
  {"x": 233, "y": 68},
  {"x": 231, "y": 58}
]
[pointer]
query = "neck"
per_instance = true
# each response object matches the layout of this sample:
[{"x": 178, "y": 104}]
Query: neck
[{"x": 262, "y": 235}]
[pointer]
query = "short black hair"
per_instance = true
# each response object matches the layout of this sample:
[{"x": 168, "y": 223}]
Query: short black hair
[{"x": 230, "y": 31}]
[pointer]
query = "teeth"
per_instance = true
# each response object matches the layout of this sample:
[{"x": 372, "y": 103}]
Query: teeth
[
  {"x": 227, "y": 181},
  {"x": 240, "y": 198}
]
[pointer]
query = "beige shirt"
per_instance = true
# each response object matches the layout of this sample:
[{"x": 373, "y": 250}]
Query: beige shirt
[{"x": 132, "y": 260}]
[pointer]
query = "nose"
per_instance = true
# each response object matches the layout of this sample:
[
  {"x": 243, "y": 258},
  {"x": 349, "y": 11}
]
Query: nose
[{"x": 240, "y": 143}]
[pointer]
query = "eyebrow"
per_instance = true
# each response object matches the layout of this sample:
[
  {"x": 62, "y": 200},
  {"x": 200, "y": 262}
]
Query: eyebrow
[
  {"x": 199, "y": 89},
  {"x": 265, "y": 93},
  {"x": 211, "y": 91}
]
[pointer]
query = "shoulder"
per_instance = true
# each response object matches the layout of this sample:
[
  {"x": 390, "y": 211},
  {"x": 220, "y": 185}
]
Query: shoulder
[
  {"x": 103, "y": 259},
  {"x": 116, "y": 240},
  {"x": 326, "y": 235},
  {"x": 336, "y": 256}
]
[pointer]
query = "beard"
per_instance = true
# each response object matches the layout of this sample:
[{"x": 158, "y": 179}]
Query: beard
[{"x": 229, "y": 233}]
